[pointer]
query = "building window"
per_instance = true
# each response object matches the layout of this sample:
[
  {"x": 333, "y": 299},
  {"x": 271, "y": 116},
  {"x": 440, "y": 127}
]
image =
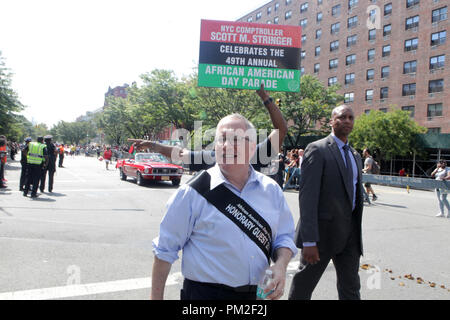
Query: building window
[
  {"x": 371, "y": 54},
  {"x": 304, "y": 23},
  {"x": 303, "y": 54},
  {"x": 370, "y": 74},
  {"x": 384, "y": 92},
  {"x": 332, "y": 81},
  {"x": 269, "y": 10},
  {"x": 372, "y": 34},
  {"x": 387, "y": 9},
  {"x": 409, "y": 109},
  {"x": 367, "y": 111},
  {"x": 318, "y": 33},
  {"x": 411, "y": 3},
  {"x": 434, "y": 130},
  {"x": 317, "y": 51},
  {"x": 304, "y": 7},
  {"x": 288, "y": 2},
  {"x": 258, "y": 15},
  {"x": 410, "y": 67},
  {"x": 288, "y": 15},
  {"x": 319, "y": 2},
  {"x": 319, "y": 17},
  {"x": 434, "y": 110},
  {"x": 352, "y": 22},
  {"x": 351, "y": 41},
  {"x": 387, "y": 30},
  {"x": 275, "y": 20},
  {"x": 350, "y": 78},
  {"x": 411, "y": 44},
  {"x": 334, "y": 45},
  {"x": 438, "y": 38},
  {"x": 277, "y": 6},
  {"x": 304, "y": 39},
  {"x": 352, "y": 3},
  {"x": 250, "y": 19},
  {"x": 349, "y": 97},
  {"x": 336, "y": 10},
  {"x": 369, "y": 95},
  {"x": 411, "y": 22},
  {"x": 409, "y": 89},
  {"x": 335, "y": 27},
  {"x": 437, "y": 62},
  {"x": 373, "y": 15},
  {"x": 302, "y": 70},
  {"x": 439, "y": 14},
  {"x": 386, "y": 51},
  {"x": 333, "y": 64},
  {"x": 350, "y": 59},
  {"x": 384, "y": 110},
  {"x": 317, "y": 68},
  {"x": 385, "y": 72},
  {"x": 436, "y": 85}
]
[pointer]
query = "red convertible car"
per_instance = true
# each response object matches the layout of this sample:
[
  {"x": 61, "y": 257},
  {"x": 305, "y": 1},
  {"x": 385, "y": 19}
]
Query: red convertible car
[{"x": 149, "y": 167}]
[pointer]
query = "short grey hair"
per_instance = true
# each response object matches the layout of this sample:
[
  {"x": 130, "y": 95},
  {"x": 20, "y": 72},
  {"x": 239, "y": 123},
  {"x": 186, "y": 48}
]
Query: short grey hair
[{"x": 249, "y": 127}]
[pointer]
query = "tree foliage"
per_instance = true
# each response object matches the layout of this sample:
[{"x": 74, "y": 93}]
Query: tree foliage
[
  {"x": 390, "y": 134},
  {"x": 11, "y": 124}
]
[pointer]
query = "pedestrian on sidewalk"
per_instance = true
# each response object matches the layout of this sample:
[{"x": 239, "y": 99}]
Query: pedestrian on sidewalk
[
  {"x": 442, "y": 172},
  {"x": 368, "y": 168}
]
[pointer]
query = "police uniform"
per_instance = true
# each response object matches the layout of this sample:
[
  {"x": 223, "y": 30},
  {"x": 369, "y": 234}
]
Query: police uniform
[
  {"x": 36, "y": 153},
  {"x": 24, "y": 164},
  {"x": 51, "y": 166}
]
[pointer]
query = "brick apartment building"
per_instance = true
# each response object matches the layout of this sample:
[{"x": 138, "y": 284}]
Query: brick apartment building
[
  {"x": 383, "y": 53},
  {"x": 119, "y": 91}
]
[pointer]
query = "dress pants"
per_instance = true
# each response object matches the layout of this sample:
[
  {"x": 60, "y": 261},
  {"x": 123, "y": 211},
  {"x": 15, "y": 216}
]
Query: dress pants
[
  {"x": 33, "y": 177},
  {"x": 23, "y": 176},
  {"x": 346, "y": 264},
  {"x": 51, "y": 173},
  {"x": 194, "y": 290}
]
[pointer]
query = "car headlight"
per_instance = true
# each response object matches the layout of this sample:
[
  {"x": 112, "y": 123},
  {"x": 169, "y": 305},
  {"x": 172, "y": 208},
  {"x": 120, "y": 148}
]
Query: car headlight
[
  {"x": 180, "y": 171},
  {"x": 146, "y": 170}
]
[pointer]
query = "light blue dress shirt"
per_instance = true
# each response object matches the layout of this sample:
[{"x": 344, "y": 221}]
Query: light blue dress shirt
[
  {"x": 215, "y": 250},
  {"x": 340, "y": 144}
]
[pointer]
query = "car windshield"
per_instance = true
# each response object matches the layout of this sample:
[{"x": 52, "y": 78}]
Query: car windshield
[{"x": 151, "y": 157}]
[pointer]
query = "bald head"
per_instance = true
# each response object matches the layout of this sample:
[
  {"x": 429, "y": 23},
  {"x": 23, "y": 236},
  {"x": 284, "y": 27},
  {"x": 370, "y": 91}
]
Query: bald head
[
  {"x": 339, "y": 109},
  {"x": 342, "y": 119}
]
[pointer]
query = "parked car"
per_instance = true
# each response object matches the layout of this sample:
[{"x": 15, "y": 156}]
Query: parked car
[{"x": 149, "y": 167}]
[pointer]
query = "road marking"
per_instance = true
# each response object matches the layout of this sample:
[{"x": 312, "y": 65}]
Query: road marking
[{"x": 78, "y": 290}]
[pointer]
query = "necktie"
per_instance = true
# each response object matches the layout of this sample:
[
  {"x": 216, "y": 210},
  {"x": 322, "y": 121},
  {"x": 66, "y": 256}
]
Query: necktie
[{"x": 348, "y": 164}]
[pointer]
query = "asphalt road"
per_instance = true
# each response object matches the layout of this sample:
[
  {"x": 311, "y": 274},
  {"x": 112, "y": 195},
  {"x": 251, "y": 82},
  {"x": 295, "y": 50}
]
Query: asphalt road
[{"x": 91, "y": 239}]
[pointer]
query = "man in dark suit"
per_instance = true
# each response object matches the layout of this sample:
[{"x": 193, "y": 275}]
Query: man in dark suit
[{"x": 331, "y": 206}]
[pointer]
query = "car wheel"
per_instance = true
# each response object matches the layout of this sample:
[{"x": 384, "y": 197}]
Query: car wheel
[
  {"x": 139, "y": 179},
  {"x": 123, "y": 176},
  {"x": 176, "y": 182}
]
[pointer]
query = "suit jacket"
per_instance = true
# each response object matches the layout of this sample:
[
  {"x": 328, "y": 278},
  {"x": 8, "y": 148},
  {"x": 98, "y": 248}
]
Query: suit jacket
[{"x": 325, "y": 198}]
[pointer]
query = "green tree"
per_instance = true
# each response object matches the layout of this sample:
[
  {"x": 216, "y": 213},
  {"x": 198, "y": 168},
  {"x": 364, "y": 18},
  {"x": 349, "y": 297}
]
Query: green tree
[
  {"x": 10, "y": 105},
  {"x": 391, "y": 134},
  {"x": 308, "y": 112}
]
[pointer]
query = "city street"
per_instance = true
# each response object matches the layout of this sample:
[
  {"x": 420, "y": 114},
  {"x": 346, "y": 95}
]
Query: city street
[{"x": 92, "y": 239}]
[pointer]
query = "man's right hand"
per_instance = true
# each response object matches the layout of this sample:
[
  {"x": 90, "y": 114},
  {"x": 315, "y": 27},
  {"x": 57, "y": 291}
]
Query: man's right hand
[{"x": 311, "y": 254}]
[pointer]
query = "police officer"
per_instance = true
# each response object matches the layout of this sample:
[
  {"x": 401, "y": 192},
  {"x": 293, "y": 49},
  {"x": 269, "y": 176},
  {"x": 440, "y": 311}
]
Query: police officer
[
  {"x": 24, "y": 164},
  {"x": 36, "y": 156},
  {"x": 51, "y": 166}
]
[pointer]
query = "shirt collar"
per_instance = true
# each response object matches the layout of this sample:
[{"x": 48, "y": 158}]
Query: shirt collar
[
  {"x": 339, "y": 142},
  {"x": 218, "y": 178}
]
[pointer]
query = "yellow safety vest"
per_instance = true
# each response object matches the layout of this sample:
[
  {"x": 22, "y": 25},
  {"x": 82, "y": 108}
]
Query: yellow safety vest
[{"x": 35, "y": 153}]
